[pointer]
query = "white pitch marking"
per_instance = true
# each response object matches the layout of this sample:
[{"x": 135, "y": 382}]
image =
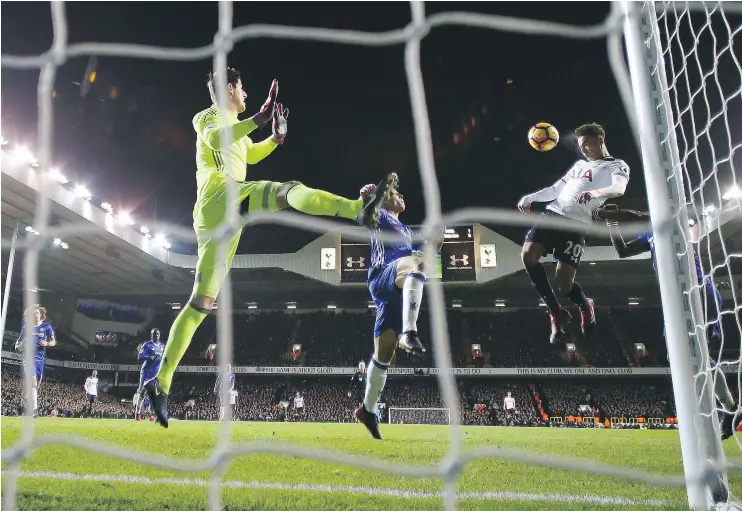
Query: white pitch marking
[{"x": 367, "y": 490}]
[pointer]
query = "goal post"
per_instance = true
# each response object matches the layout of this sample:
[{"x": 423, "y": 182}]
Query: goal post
[
  {"x": 674, "y": 251},
  {"x": 419, "y": 415}
]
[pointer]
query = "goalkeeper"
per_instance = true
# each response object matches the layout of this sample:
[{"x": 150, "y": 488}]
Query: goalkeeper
[{"x": 217, "y": 167}]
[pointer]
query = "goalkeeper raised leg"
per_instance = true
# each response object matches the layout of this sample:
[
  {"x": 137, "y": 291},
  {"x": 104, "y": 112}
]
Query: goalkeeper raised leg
[{"x": 217, "y": 167}]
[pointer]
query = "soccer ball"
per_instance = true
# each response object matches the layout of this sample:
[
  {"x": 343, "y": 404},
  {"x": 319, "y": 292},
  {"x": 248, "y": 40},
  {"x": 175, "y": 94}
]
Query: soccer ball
[{"x": 543, "y": 137}]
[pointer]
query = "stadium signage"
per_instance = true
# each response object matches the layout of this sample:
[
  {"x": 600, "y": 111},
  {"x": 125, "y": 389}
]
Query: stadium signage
[{"x": 12, "y": 358}]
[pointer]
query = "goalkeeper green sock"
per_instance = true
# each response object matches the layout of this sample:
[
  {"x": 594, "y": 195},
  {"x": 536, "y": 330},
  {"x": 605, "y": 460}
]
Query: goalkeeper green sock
[
  {"x": 322, "y": 203},
  {"x": 181, "y": 334}
]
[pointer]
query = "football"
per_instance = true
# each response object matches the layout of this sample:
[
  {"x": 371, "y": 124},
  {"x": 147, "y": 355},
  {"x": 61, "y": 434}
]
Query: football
[{"x": 543, "y": 137}]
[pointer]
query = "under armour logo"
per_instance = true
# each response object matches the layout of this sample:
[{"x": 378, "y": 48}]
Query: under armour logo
[
  {"x": 413, "y": 306},
  {"x": 464, "y": 260},
  {"x": 360, "y": 262}
]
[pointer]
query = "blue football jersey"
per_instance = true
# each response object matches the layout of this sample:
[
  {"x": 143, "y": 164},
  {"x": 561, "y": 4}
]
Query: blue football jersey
[
  {"x": 42, "y": 332},
  {"x": 150, "y": 354},
  {"x": 383, "y": 253},
  {"x": 230, "y": 377}
]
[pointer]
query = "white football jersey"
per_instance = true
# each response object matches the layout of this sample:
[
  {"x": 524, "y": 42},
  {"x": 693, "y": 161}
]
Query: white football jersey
[
  {"x": 91, "y": 386},
  {"x": 509, "y": 403},
  {"x": 299, "y": 402},
  {"x": 586, "y": 176}
]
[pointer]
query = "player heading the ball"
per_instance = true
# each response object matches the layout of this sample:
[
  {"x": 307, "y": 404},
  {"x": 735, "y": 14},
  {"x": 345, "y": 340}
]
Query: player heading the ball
[
  {"x": 575, "y": 197},
  {"x": 219, "y": 166}
]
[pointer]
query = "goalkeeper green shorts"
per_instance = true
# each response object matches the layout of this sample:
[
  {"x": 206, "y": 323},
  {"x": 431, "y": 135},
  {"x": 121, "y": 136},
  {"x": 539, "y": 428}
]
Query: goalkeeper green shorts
[{"x": 208, "y": 214}]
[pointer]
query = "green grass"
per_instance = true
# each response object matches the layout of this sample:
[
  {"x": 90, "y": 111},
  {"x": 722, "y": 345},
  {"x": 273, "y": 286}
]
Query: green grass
[{"x": 654, "y": 451}]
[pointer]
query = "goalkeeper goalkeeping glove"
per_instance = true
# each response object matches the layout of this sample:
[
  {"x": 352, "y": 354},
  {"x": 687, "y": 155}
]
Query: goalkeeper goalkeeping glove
[
  {"x": 280, "y": 124},
  {"x": 268, "y": 109}
]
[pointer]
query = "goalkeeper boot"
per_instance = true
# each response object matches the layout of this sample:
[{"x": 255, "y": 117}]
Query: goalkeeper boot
[
  {"x": 159, "y": 401},
  {"x": 369, "y": 215},
  {"x": 410, "y": 342},
  {"x": 559, "y": 323},
  {"x": 368, "y": 419},
  {"x": 588, "y": 319}
]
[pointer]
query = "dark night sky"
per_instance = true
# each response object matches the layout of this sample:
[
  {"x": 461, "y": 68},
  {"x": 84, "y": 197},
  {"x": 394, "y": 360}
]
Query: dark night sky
[{"x": 350, "y": 112}]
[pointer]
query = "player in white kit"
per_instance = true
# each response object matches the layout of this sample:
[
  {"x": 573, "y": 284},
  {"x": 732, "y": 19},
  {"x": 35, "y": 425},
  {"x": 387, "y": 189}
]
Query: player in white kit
[
  {"x": 508, "y": 406},
  {"x": 91, "y": 391},
  {"x": 577, "y": 196}
]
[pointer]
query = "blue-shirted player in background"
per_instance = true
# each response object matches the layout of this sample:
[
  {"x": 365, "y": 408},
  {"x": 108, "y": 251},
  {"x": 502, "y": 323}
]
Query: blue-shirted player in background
[
  {"x": 395, "y": 280},
  {"x": 230, "y": 385},
  {"x": 645, "y": 243},
  {"x": 44, "y": 335},
  {"x": 150, "y": 355}
]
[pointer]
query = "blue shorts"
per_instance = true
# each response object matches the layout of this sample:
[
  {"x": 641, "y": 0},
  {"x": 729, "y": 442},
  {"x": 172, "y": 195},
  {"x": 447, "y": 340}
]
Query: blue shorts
[
  {"x": 147, "y": 376},
  {"x": 38, "y": 368},
  {"x": 92, "y": 398},
  {"x": 388, "y": 299}
]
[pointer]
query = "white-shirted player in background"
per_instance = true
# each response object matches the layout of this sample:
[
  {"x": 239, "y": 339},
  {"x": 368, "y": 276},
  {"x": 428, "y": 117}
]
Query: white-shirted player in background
[
  {"x": 576, "y": 196},
  {"x": 299, "y": 404},
  {"x": 91, "y": 391},
  {"x": 509, "y": 407}
]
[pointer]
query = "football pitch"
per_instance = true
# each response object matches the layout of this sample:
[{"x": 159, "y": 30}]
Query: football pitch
[{"x": 63, "y": 477}]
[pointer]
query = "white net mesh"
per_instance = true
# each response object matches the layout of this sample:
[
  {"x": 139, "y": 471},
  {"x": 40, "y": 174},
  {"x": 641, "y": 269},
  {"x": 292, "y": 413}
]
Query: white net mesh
[
  {"x": 681, "y": 63},
  {"x": 697, "y": 82},
  {"x": 419, "y": 416}
]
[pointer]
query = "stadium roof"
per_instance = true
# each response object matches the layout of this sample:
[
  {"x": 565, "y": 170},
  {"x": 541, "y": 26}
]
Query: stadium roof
[{"x": 117, "y": 263}]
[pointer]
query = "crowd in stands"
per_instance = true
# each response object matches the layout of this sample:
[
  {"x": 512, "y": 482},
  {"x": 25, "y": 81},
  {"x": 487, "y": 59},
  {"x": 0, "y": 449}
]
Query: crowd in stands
[
  {"x": 511, "y": 338},
  {"x": 326, "y": 400},
  {"x": 61, "y": 394}
]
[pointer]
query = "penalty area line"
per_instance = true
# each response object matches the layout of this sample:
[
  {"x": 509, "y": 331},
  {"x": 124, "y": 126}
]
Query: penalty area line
[{"x": 329, "y": 488}]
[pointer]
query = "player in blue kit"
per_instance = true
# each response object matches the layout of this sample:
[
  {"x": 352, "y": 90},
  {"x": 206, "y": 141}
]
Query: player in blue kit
[
  {"x": 44, "y": 336},
  {"x": 230, "y": 385},
  {"x": 645, "y": 243},
  {"x": 150, "y": 355},
  {"x": 395, "y": 280}
]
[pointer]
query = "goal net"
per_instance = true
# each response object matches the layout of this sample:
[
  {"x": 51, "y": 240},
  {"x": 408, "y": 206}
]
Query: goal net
[
  {"x": 686, "y": 79},
  {"x": 419, "y": 415},
  {"x": 682, "y": 97}
]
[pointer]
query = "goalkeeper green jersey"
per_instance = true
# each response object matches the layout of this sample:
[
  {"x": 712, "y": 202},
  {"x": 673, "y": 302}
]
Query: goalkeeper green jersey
[{"x": 213, "y": 161}]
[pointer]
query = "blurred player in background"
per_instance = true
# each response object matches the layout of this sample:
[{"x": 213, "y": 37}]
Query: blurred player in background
[
  {"x": 150, "y": 355},
  {"x": 44, "y": 337},
  {"x": 91, "y": 390},
  {"x": 712, "y": 297},
  {"x": 299, "y": 403},
  {"x": 395, "y": 280},
  {"x": 232, "y": 393},
  {"x": 219, "y": 166},
  {"x": 576, "y": 196},
  {"x": 508, "y": 407},
  {"x": 358, "y": 384}
]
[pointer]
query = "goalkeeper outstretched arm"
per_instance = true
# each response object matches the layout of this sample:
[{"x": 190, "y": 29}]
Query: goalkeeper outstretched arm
[
  {"x": 612, "y": 216},
  {"x": 210, "y": 126}
]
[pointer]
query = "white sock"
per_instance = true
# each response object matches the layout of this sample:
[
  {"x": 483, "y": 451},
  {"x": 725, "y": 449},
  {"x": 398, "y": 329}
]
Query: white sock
[
  {"x": 375, "y": 381},
  {"x": 412, "y": 295},
  {"x": 35, "y": 398},
  {"x": 723, "y": 394}
]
